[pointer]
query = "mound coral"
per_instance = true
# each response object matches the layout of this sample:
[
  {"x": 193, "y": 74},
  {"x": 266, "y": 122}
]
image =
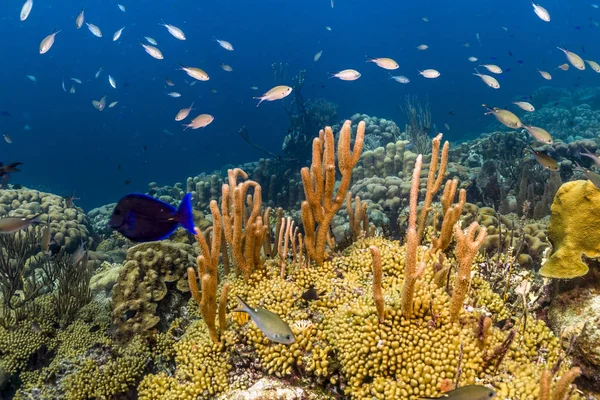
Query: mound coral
[{"x": 575, "y": 219}]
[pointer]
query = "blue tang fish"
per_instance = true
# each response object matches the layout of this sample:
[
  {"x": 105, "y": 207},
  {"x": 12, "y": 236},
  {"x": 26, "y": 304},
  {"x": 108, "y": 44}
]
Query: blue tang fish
[{"x": 142, "y": 218}]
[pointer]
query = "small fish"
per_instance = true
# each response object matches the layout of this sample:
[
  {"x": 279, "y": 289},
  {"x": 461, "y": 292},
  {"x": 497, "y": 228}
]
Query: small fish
[
  {"x": 47, "y": 42},
  {"x": 77, "y": 80},
  {"x": 226, "y": 67},
  {"x": 505, "y": 29},
  {"x": 539, "y": 134},
  {"x": 224, "y": 44},
  {"x": 422, "y": 47},
  {"x": 311, "y": 294},
  {"x": 492, "y": 68},
  {"x": 69, "y": 200},
  {"x": 564, "y": 67},
  {"x": 254, "y": 87},
  {"x": 400, "y": 79},
  {"x": 79, "y": 20},
  {"x": 117, "y": 34},
  {"x": 121, "y": 7},
  {"x": 174, "y": 31},
  {"x": 573, "y": 58},
  {"x": 447, "y": 126},
  {"x": 201, "y": 121},
  {"x": 593, "y": 65},
  {"x": 541, "y": 12},
  {"x": 545, "y": 75},
  {"x": 151, "y": 40},
  {"x": 196, "y": 73},
  {"x": 99, "y": 104},
  {"x": 276, "y": 93},
  {"x": 94, "y": 29},
  {"x": 7, "y": 138},
  {"x": 384, "y": 62},
  {"x": 592, "y": 176},
  {"x": 488, "y": 80},
  {"x": 142, "y": 218},
  {"x": 592, "y": 156},
  {"x": 346, "y": 75},
  {"x": 25, "y": 10},
  {"x": 112, "y": 82},
  {"x": 114, "y": 103},
  {"x": 505, "y": 117},
  {"x": 78, "y": 254},
  {"x": 425, "y": 19},
  {"x": 63, "y": 85},
  {"x": 473, "y": 59},
  {"x": 594, "y": 5},
  {"x": 72, "y": 90},
  {"x": 169, "y": 82},
  {"x": 523, "y": 105},
  {"x": 467, "y": 45},
  {"x": 328, "y": 28},
  {"x": 183, "y": 113},
  {"x": 14, "y": 224},
  {"x": 317, "y": 56},
  {"x": 174, "y": 94},
  {"x": 544, "y": 160},
  {"x": 98, "y": 73},
  {"x": 469, "y": 392},
  {"x": 154, "y": 52},
  {"x": 271, "y": 324},
  {"x": 430, "y": 73}
]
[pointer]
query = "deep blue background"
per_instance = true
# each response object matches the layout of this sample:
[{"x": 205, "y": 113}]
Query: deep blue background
[{"x": 73, "y": 146}]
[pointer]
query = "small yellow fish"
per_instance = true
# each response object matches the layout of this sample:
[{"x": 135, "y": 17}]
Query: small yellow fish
[
  {"x": 271, "y": 324},
  {"x": 539, "y": 134},
  {"x": 544, "y": 160},
  {"x": 488, "y": 80},
  {"x": 523, "y": 105},
  {"x": 174, "y": 31},
  {"x": 154, "y": 52},
  {"x": 430, "y": 73},
  {"x": 94, "y": 29},
  {"x": 564, "y": 67},
  {"x": 592, "y": 156},
  {"x": 195, "y": 73},
  {"x": 473, "y": 59},
  {"x": 79, "y": 20},
  {"x": 492, "y": 68},
  {"x": 183, "y": 113},
  {"x": 347, "y": 75},
  {"x": 505, "y": 117},
  {"x": 224, "y": 44},
  {"x": 14, "y": 224},
  {"x": 45, "y": 242},
  {"x": 573, "y": 58},
  {"x": 593, "y": 65},
  {"x": 200, "y": 121},
  {"x": 47, "y": 42},
  {"x": 169, "y": 82},
  {"x": 276, "y": 93},
  {"x": 384, "y": 62},
  {"x": 592, "y": 176},
  {"x": 545, "y": 75}
]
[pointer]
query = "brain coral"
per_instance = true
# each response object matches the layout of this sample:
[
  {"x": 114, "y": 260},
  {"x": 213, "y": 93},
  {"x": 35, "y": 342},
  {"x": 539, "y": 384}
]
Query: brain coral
[{"x": 69, "y": 225}]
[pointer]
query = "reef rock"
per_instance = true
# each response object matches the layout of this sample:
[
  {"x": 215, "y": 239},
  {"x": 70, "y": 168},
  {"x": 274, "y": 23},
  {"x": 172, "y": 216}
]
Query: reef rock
[{"x": 271, "y": 389}]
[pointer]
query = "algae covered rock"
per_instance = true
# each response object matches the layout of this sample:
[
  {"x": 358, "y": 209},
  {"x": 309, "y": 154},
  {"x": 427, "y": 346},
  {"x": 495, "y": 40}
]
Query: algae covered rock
[
  {"x": 574, "y": 230},
  {"x": 149, "y": 271}
]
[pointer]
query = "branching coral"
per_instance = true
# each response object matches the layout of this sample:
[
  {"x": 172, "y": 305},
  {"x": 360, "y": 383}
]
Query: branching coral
[{"x": 321, "y": 205}]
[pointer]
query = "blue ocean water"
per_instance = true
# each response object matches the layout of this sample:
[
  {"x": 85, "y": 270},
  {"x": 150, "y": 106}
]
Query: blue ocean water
[{"x": 71, "y": 145}]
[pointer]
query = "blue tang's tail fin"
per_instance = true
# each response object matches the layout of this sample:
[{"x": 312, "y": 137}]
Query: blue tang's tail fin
[{"x": 185, "y": 214}]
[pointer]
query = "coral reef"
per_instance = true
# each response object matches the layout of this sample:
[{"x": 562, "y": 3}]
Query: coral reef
[{"x": 69, "y": 225}]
